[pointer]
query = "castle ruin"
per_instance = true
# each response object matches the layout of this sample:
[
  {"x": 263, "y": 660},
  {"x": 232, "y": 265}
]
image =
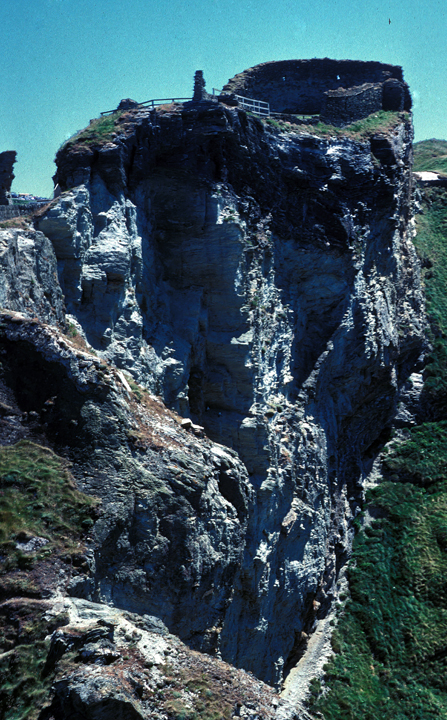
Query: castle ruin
[{"x": 340, "y": 91}]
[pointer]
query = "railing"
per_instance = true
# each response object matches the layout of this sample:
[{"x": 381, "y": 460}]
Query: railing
[
  {"x": 153, "y": 103},
  {"x": 258, "y": 107}
]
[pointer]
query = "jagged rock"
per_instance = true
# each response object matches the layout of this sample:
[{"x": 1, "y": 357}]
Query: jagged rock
[
  {"x": 117, "y": 668},
  {"x": 28, "y": 276},
  {"x": 127, "y": 104},
  {"x": 7, "y": 160},
  {"x": 32, "y": 544},
  {"x": 96, "y": 698},
  {"x": 181, "y": 533}
]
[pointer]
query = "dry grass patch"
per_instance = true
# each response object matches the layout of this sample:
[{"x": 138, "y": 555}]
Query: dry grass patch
[{"x": 22, "y": 222}]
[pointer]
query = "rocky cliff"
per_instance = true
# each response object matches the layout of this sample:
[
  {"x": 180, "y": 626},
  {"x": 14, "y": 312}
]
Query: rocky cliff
[
  {"x": 7, "y": 160},
  {"x": 261, "y": 281}
]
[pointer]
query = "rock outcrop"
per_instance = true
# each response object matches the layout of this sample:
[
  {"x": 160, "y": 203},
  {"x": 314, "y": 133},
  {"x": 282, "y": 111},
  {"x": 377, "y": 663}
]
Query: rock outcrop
[
  {"x": 264, "y": 284},
  {"x": 7, "y": 160},
  {"x": 29, "y": 276}
]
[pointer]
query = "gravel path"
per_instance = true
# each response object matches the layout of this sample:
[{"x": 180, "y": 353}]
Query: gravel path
[{"x": 296, "y": 686}]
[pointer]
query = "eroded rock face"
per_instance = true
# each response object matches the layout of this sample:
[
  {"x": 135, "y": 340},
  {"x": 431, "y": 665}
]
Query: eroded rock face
[
  {"x": 263, "y": 283},
  {"x": 170, "y": 538},
  {"x": 107, "y": 664},
  {"x": 28, "y": 271},
  {"x": 7, "y": 160}
]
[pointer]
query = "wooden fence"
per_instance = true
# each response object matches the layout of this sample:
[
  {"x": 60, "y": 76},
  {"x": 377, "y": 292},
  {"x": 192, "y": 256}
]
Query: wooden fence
[
  {"x": 153, "y": 103},
  {"x": 258, "y": 107}
]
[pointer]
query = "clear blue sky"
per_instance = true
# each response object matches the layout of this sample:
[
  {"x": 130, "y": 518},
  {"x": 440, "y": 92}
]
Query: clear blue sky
[{"x": 64, "y": 61}]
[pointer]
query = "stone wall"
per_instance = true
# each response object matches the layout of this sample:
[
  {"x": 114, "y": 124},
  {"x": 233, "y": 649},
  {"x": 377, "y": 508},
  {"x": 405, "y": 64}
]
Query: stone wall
[
  {"x": 300, "y": 86},
  {"x": 346, "y": 105},
  {"x": 394, "y": 95},
  {"x": 11, "y": 211}
]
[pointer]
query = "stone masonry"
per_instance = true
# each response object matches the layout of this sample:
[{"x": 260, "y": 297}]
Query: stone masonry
[{"x": 344, "y": 90}]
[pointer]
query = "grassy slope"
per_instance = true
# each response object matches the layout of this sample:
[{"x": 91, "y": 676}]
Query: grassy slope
[
  {"x": 381, "y": 121},
  {"x": 103, "y": 129},
  {"x": 390, "y": 645},
  {"x": 37, "y": 498},
  {"x": 431, "y": 155},
  {"x": 99, "y": 131}
]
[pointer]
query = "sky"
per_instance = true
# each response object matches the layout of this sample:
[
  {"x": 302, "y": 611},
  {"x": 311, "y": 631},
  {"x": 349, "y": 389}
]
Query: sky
[{"x": 66, "y": 61}]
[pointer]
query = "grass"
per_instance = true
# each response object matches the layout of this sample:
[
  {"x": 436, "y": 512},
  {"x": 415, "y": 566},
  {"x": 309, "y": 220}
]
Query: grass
[
  {"x": 103, "y": 129},
  {"x": 23, "y": 691},
  {"x": 24, "y": 686},
  {"x": 431, "y": 155},
  {"x": 79, "y": 342},
  {"x": 22, "y": 222},
  {"x": 381, "y": 121},
  {"x": 422, "y": 458},
  {"x": 390, "y": 646},
  {"x": 38, "y": 498},
  {"x": 97, "y": 132},
  {"x": 432, "y": 247},
  {"x": 191, "y": 695},
  {"x": 390, "y": 660}
]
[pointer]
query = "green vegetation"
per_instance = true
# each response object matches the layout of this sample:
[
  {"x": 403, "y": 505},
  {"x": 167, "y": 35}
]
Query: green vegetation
[
  {"x": 38, "y": 498},
  {"x": 71, "y": 330},
  {"x": 22, "y": 222},
  {"x": 194, "y": 695},
  {"x": 24, "y": 680},
  {"x": 431, "y": 244},
  {"x": 23, "y": 691},
  {"x": 98, "y": 131},
  {"x": 391, "y": 642},
  {"x": 390, "y": 645},
  {"x": 421, "y": 459},
  {"x": 381, "y": 121},
  {"x": 431, "y": 155}
]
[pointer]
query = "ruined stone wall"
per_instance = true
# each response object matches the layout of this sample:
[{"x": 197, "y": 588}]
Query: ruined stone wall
[
  {"x": 299, "y": 86},
  {"x": 394, "y": 95},
  {"x": 7, "y": 212},
  {"x": 343, "y": 106}
]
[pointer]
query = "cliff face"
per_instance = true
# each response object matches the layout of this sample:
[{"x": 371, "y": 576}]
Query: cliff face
[
  {"x": 7, "y": 160},
  {"x": 263, "y": 283}
]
